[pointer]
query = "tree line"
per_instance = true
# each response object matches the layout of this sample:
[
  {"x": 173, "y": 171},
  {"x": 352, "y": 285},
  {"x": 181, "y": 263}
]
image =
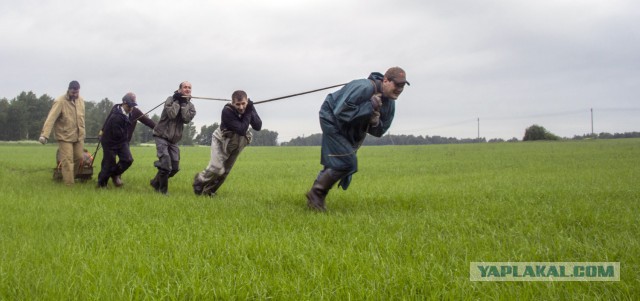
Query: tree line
[{"x": 22, "y": 118}]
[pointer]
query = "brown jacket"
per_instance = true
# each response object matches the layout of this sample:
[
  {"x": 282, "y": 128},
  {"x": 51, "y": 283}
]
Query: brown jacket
[{"x": 66, "y": 118}]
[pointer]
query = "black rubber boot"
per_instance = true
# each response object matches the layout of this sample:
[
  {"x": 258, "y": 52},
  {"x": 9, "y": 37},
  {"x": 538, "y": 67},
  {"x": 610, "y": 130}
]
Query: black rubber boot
[
  {"x": 154, "y": 182},
  {"x": 211, "y": 187},
  {"x": 197, "y": 185},
  {"x": 321, "y": 186},
  {"x": 163, "y": 183}
]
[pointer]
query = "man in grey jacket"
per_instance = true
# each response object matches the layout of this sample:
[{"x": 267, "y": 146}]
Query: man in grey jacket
[{"x": 178, "y": 111}]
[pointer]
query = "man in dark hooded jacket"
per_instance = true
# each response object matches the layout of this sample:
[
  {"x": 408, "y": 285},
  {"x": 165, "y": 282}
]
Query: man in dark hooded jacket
[
  {"x": 346, "y": 116},
  {"x": 178, "y": 111},
  {"x": 227, "y": 142},
  {"x": 113, "y": 140}
]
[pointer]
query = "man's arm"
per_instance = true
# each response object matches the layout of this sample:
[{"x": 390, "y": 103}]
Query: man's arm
[
  {"x": 144, "y": 119},
  {"x": 172, "y": 107},
  {"x": 235, "y": 123},
  {"x": 256, "y": 122},
  {"x": 354, "y": 102},
  {"x": 188, "y": 111},
  {"x": 51, "y": 119}
]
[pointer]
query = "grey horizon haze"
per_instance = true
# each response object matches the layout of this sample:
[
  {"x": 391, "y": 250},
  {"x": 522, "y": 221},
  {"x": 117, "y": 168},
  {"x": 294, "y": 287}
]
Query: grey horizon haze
[{"x": 509, "y": 63}]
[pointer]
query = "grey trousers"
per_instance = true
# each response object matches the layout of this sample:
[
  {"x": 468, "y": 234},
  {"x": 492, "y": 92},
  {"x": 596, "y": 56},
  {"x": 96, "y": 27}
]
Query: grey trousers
[{"x": 225, "y": 149}]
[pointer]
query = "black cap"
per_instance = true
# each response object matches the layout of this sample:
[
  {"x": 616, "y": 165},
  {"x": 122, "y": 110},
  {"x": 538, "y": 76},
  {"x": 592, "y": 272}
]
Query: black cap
[
  {"x": 129, "y": 99},
  {"x": 74, "y": 84}
]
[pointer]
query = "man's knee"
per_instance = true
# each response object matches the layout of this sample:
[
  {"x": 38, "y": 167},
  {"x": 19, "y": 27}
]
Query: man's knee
[
  {"x": 175, "y": 168},
  {"x": 126, "y": 163}
]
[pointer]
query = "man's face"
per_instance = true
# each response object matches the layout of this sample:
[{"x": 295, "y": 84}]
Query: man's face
[
  {"x": 391, "y": 89},
  {"x": 127, "y": 108},
  {"x": 73, "y": 94},
  {"x": 185, "y": 89},
  {"x": 240, "y": 104}
]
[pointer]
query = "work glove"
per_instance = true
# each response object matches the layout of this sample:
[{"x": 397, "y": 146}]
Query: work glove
[
  {"x": 376, "y": 101},
  {"x": 374, "y": 120},
  {"x": 178, "y": 96},
  {"x": 250, "y": 106},
  {"x": 43, "y": 140}
]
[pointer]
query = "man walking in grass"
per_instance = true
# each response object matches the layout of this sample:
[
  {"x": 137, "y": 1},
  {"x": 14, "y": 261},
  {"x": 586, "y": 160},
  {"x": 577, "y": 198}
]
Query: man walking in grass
[
  {"x": 346, "y": 116},
  {"x": 66, "y": 119},
  {"x": 178, "y": 111},
  {"x": 227, "y": 142},
  {"x": 115, "y": 137}
]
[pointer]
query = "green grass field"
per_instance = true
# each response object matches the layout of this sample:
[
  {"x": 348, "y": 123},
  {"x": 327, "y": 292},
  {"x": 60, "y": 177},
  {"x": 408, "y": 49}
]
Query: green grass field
[{"x": 407, "y": 228}]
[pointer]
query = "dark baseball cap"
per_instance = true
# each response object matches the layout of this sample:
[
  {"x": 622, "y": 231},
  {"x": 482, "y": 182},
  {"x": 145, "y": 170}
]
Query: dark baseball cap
[
  {"x": 129, "y": 99},
  {"x": 74, "y": 84},
  {"x": 397, "y": 75}
]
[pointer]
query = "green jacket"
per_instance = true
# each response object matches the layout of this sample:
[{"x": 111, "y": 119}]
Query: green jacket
[{"x": 174, "y": 117}]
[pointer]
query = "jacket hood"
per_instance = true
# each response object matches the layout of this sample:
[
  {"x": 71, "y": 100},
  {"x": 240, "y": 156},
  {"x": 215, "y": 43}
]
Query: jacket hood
[{"x": 376, "y": 76}]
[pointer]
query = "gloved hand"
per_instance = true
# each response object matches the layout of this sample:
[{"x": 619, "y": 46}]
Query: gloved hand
[
  {"x": 43, "y": 140},
  {"x": 250, "y": 106},
  {"x": 376, "y": 101},
  {"x": 178, "y": 96},
  {"x": 375, "y": 118},
  {"x": 100, "y": 136}
]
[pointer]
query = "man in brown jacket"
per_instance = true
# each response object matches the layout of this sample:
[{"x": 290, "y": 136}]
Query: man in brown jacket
[{"x": 66, "y": 119}]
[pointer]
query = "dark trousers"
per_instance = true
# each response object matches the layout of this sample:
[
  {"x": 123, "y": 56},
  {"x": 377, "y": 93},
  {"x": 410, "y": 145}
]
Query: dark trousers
[{"x": 109, "y": 167}]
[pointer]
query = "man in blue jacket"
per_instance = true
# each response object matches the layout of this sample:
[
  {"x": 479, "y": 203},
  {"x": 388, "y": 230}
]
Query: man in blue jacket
[{"x": 346, "y": 116}]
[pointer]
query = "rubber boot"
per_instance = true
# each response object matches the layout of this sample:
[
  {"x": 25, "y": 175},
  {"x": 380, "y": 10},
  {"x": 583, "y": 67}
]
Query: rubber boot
[
  {"x": 117, "y": 181},
  {"x": 154, "y": 182},
  {"x": 321, "y": 186},
  {"x": 197, "y": 184},
  {"x": 211, "y": 188},
  {"x": 163, "y": 182}
]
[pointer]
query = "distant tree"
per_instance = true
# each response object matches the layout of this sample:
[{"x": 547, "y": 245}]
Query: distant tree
[
  {"x": 204, "y": 137},
  {"x": 4, "y": 113},
  {"x": 143, "y": 134},
  {"x": 188, "y": 134},
  {"x": 264, "y": 138},
  {"x": 536, "y": 132},
  {"x": 311, "y": 140},
  {"x": 95, "y": 116}
]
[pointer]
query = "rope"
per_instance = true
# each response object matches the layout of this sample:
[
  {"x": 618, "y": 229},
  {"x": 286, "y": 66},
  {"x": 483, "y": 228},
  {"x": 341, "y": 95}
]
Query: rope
[
  {"x": 297, "y": 94},
  {"x": 256, "y": 102}
]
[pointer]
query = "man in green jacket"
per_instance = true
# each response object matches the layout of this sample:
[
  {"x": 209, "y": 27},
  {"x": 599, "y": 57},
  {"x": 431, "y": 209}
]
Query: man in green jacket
[
  {"x": 178, "y": 111},
  {"x": 66, "y": 119}
]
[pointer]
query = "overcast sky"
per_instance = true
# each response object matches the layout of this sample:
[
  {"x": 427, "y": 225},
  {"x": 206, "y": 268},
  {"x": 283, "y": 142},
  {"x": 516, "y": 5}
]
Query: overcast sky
[{"x": 509, "y": 63}]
